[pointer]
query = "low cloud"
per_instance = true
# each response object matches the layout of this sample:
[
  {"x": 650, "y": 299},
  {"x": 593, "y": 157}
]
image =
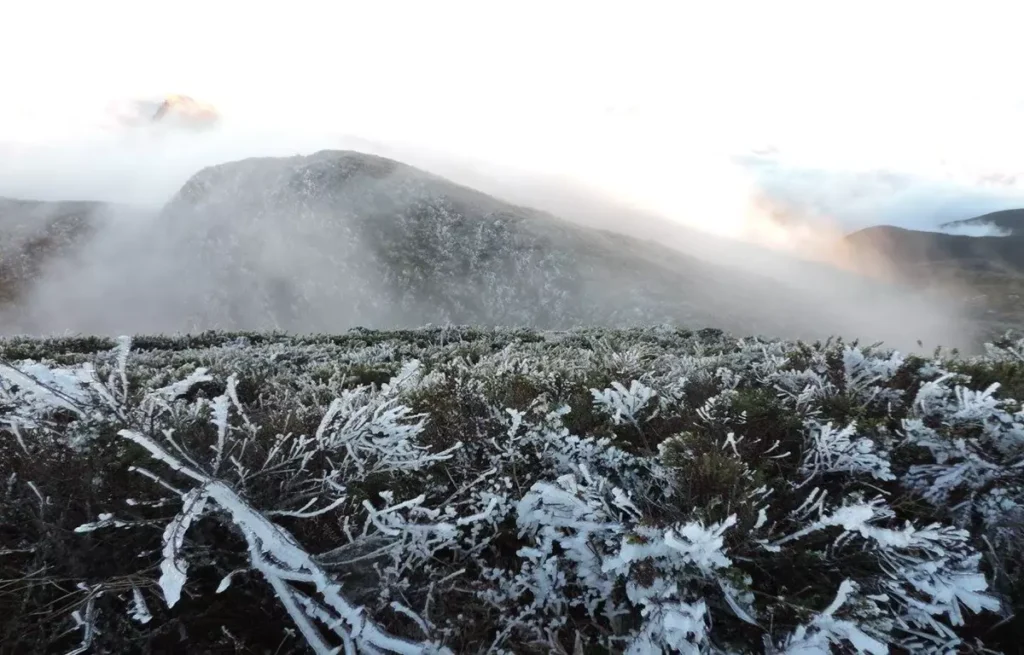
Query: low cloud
[
  {"x": 764, "y": 218},
  {"x": 854, "y": 200}
]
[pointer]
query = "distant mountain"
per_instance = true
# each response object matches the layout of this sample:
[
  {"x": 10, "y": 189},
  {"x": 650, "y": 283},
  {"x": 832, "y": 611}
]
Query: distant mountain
[
  {"x": 1009, "y": 222},
  {"x": 987, "y": 272},
  {"x": 337, "y": 239},
  {"x": 916, "y": 252}
]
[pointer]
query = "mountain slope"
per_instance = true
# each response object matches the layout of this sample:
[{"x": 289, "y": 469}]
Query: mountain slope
[
  {"x": 34, "y": 233},
  {"x": 987, "y": 272},
  {"x": 337, "y": 239},
  {"x": 407, "y": 247},
  {"x": 916, "y": 252},
  {"x": 1009, "y": 222}
]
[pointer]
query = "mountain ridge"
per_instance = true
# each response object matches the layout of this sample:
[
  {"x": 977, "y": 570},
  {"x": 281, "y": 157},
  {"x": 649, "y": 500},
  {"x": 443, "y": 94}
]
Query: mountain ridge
[
  {"x": 334, "y": 239},
  {"x": 985, "y": 272},
  {"x": 370, "y": 194},
  {"x": 1009, "y": 222}
]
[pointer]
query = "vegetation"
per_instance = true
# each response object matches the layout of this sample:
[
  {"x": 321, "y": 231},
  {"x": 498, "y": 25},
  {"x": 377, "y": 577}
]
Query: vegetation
[{"x": 464, "y": 491}]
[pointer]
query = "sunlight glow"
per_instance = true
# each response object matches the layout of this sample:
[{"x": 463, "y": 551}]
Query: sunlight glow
[{"x": 648, "y": 102}]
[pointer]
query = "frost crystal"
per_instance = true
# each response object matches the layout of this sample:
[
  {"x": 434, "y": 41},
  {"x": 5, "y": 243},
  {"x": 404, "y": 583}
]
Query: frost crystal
[{"x": 470, "y": 491}]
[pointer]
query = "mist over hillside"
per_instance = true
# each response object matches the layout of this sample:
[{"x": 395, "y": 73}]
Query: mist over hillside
[
  {"x": 917, "y": 253},
  {"x": 1009, "y": 222},
  {"x": 336, "y": 239},
  {"x": 985, "y": 272},
  {"x": 37, "y": 232}
]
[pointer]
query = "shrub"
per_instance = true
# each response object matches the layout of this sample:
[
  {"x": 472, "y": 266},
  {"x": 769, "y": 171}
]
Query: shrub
[{"x": 469, "y": 491}]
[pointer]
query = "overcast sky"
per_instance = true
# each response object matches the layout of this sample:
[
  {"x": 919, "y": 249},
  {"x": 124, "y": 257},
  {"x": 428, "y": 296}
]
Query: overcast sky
[{"x": 907, "y": 112}]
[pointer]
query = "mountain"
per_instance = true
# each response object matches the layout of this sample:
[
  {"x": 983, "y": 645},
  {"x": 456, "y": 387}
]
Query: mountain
[
  {"x": 1009, "y": 222},
  {"x": 336, "y": 239},
  {"x": 340, "y": 236},
  {"x": 919, "y": 253},
  {"x": 987, "y": 272},
  {"x": 34, "y": 233}
]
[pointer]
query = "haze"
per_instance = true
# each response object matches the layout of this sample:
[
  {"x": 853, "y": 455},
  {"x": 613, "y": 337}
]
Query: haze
[{"x": 846, "y": 114}]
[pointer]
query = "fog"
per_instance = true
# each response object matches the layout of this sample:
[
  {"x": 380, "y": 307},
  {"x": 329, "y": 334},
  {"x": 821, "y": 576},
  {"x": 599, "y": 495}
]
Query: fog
[
  {"x": 644, "y": 122},
  {"x": 139, "y": 274},
  {"x": 974, "y": 230}
]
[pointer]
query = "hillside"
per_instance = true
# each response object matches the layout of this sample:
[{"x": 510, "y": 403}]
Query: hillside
[
  {"x": 339, "y": 239},
  {"x": 1009, "y": 222},
  {"x": 405, "y": 248},
  {"x": 471, "y": 491},
  {"x": 33, "y": 234},
  {"x": 916, "y": 253},
  {"x": 986, "y": 272}
]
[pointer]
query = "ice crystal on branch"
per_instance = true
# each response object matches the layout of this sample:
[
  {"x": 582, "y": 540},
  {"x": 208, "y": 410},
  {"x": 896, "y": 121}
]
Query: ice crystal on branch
[{"x": 457, "y": 490}]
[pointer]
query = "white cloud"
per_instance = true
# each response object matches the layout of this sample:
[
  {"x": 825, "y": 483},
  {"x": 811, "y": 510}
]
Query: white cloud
[
  {"x": 647, "y": 100},
  {"x": 975, "y": 230}
]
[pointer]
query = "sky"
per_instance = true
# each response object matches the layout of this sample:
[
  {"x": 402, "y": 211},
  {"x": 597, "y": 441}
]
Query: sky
[{"x": 855, "y": 112}]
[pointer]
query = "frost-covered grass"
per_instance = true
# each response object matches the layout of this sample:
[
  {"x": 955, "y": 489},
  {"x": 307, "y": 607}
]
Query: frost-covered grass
[{"x": 463, "y": 491}]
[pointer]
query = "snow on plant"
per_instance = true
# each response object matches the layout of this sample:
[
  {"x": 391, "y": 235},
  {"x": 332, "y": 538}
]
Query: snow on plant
[
  {"x": 283, "y": 563},
  {"x": 679, "y": 548},
  {"x": 717, "y": 410},
  {"x": 989, "y": 441},
  {"x": 139, "y": 609},
  {"x": 832, "y": 450},
  {"x": 862, "y": 372},
  {"x": 976, "y": 469},
  {"x": 825, "y": 631},
  {"x": 548, "y": 535},
  {"x": 35, "y": 388},
  {"x": 540, "y": 432},
  {"x": 771, "y": 358},
  {"x": 585, "y": 535},
  {"x": 601, "y": 542},
  {"x": 373, "y": 433},
  {"x": 370, "y": 434},
  {"x": 959, "y": 463},
  {"x": 572, "y": 515},
  {"x": 86, "y": 618},
  {"x": 671, "y": 627},
  {"x": 623, "y": 404},
  {"x": 1010, "y": 349},
  {"x": 930, "y": 572},
  {"x": 672, "y": 374},
  {"x": 699, "y": 368},
  {"x": 803, "y": 390}
]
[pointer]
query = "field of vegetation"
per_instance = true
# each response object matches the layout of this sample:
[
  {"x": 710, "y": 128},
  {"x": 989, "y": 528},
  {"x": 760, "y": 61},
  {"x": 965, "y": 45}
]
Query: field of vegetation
[{"x": 463, "y": 491}]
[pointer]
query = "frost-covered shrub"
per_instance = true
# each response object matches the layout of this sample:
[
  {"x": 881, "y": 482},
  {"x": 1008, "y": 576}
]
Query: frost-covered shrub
[{"x": 461, "y": 491}]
